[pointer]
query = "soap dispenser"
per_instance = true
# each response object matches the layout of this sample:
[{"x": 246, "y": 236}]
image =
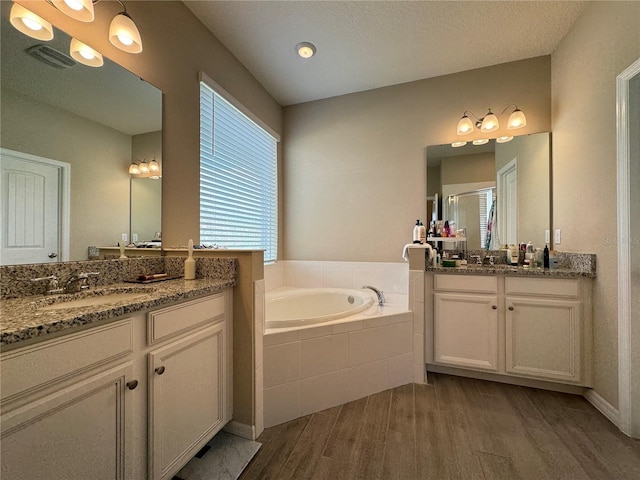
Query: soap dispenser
[
  {"x": 416, "y": 232},
  {"x": 190, "y": 264}
]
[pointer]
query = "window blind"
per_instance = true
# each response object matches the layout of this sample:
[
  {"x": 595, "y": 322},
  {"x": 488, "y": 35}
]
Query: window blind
[{"x": 238, "y": 178}]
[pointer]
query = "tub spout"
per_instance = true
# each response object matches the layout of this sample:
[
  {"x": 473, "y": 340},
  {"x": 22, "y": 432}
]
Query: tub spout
[{"x": 378, "y": 292}]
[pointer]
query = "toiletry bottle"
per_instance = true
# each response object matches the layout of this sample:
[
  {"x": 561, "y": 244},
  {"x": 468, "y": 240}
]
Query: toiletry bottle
[
  {"x": 546, "y": 256},
  {"x": 447, "y": 229},
  {"x": 190, "y": 264},
  {"x": 514, "y": 255},
  {"x": 423, "y": 233},
  {"x": 416, "y": 232}
]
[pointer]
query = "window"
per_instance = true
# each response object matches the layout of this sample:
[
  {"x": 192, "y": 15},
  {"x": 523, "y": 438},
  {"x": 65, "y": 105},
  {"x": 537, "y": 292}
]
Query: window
[{"x": 238, "y": 178}]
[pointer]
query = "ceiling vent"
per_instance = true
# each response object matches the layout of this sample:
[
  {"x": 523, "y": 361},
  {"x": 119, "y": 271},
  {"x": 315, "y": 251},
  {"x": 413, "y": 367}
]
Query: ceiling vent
[{"x": 51, "y": 56}]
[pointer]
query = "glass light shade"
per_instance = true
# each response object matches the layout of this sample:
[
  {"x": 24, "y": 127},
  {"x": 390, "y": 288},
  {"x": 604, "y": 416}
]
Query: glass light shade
[
  {"x": 481, "y": 141},
  {"x": 306, "y": 49},
  {"x": 516, "y": 120},
  {"x": 30, "y": 24},
  {"x": 124, "y": 34},
  {"x": 465, "y": 125},
  {"x": 489, "y": 123},
  {"x": 458, "y": 144},
  {"x": 504, "y": 139},
  {"x": 85, "y": 54},
  {"x": 144, "y": 167},
  {"x": 154, "y": 166},
  {"x": 134, "y": 169},
  {"x": 81, "y": 10}
]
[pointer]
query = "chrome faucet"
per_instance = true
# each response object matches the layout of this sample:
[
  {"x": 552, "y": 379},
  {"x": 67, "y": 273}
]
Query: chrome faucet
[
  {"x": 78, "y": 282},
  {"x": 378, "y": 292},
  {"x": 52, "y": 286}
]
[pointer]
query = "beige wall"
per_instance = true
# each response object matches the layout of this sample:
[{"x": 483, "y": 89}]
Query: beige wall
[
  {"x": 603, "y": 42},
  {"x": 354, "y": 166},
  {"x": 176, "y": 47},
  {"x": 99, "y": 157},
  {"x": 532, "y": 153},
  {"x": 473, "y": 168}
]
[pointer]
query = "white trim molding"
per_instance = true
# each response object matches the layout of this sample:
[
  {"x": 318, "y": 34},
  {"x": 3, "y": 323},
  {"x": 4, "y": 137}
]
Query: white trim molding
[
  {"x": 624, "y": 251},
  {"x": 603, "y": 406}
]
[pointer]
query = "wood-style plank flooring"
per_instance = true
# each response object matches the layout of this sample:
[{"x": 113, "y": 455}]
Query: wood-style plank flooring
[{"x": 454, "y": 428}]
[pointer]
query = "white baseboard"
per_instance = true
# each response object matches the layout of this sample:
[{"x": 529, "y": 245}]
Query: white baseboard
[
  {"x": 240, "y": 429},
  {"x": 604, "y": 407}
]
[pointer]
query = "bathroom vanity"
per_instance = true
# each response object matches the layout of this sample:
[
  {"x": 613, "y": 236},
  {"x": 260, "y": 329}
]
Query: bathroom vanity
[
  {"x": 510, "y": 324},
  {"x": 132, "y": 389}
]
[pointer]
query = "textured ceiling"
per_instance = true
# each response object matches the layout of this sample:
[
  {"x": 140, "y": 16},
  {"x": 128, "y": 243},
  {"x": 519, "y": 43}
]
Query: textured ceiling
[{"x": 365, "y": 44}]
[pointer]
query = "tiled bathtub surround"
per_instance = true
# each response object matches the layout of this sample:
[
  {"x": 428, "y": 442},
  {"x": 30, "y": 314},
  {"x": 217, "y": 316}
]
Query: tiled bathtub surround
[
  {"x": 309, "y": 370},
  {"x": 317, "y": 367},
  {"x": 15, "y": 280}
]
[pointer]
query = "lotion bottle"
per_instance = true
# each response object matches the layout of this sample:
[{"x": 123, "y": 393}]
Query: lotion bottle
[
  {"x": 423, "y": 233},
  {"x": 190, "y": 264},
  {"x": 416, "y": 232}
]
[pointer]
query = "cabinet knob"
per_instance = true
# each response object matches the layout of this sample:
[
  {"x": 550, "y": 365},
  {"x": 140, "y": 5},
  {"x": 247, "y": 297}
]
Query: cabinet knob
[
  {"x": 160, "y": 370},
  {"x": 132, "y": 384},
  {"x": 511, "y": 308},
  {"x": 495, "y": 307}
]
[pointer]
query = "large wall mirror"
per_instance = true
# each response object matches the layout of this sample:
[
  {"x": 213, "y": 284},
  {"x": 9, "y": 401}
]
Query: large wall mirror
[
  {"x": 88, "y": 123},
  {"x": 500, "y": 193}
]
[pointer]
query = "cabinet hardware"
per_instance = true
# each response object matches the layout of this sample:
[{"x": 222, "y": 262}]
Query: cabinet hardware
[
  {"x": 495, "y": 307},
  {"x": 511, "y": 308},
  {"x": 132, "y": 384},
  {"x": 160, "y": 370}
]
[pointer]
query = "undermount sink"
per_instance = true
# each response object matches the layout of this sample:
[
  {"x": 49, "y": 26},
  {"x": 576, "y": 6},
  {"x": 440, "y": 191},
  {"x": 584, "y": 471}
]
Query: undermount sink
[{"x": 91, "y": 298}]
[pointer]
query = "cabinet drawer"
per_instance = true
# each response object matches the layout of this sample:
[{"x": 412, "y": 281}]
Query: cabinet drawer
[
  {"x": 466, "y": 283},
  {"x": 29, "y": 369},
  {"x": 553, "y": 287},
  {"x": 170, "y": 321}
]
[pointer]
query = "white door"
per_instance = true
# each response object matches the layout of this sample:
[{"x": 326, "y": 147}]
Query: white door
[
  {"x": 507, "y": 214},
  {"x": 30, "y": 201}
]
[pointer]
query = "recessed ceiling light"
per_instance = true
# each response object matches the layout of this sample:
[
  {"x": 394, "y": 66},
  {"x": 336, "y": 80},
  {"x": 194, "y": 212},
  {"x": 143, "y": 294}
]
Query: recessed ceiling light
[{"x": 306, "y": 49}]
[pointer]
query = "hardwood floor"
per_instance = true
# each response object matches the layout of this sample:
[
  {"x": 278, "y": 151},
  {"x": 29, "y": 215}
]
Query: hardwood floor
[{"x": 455, "y": 428}]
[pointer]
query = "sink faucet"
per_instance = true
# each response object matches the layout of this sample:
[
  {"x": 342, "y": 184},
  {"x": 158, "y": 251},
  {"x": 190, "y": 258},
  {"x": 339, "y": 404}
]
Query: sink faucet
[
  {"x": 378, "y": 292},
  {"x": 52, "y": 286},
  {"x": 78, "y": 282}
]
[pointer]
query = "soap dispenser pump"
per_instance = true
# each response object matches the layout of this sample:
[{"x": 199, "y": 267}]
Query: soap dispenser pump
[{"x": 190, "y": 264}]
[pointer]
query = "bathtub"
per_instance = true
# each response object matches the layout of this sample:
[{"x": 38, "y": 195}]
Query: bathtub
[{"x": 299, "y": 307}]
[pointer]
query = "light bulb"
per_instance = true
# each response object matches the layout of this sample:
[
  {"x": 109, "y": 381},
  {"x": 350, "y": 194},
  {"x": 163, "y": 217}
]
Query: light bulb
[
  {"x": 74, "y": 4},
  {"x": 480, "y": 141},
  {"x": 504, "y": 139},
  {"x": 458, "y": 144},
  {"x": 306, "y": 49},
  {"x": 81, "y": 10},
  {"x": 489, "y": 123},
  {"x": 29, "y": 23},
  {"x": 516, "y": 120},
  {"x": 124, "y": 34},
  {"x": 465, "y": 125},
  {"x": 144, "y": 167},
  {"x": 154, "y": 166},
  {"x": 85, "y": 54},
  {"x": 133, "y": 169}
]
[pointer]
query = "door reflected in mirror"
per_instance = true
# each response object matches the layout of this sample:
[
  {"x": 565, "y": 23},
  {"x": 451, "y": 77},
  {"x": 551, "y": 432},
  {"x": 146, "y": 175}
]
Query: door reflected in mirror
[
  {"x": 517, "y": 173},
  {"x": 95, "y": 120}
]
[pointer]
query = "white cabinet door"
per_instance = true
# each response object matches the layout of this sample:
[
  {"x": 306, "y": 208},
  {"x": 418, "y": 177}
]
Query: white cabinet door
[
  {"x": 543, "y": 338},
  {"x": 186, "y": 398},
  {"x": 466, "y": 330},
  {"x": 78, "y": 432}
]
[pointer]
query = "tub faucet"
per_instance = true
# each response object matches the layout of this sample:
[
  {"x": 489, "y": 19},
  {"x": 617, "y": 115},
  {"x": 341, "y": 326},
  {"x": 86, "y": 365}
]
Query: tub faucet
[{"x": 378, "y": 292}]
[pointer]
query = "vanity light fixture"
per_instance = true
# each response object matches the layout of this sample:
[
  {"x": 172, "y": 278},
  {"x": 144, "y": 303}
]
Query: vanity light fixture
[
  {"x": 489, "y": 123},
  {"x": 481, "y": 141},
  {"x": 84, "y": 54},
  {"x": 144, "y": 167},
  {"x": 306, "y": 49},
  {"x": 30, "y": 24},
  {"x": 124, "y": 34},
  {"x": 458, "y": 144},
  {"x": 81, "y": 10},
  {"x": 134, "y": 169},
  {"x": 504, "y": 139}
]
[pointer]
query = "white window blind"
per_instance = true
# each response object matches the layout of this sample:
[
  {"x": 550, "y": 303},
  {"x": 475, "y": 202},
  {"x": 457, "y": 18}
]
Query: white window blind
[{"x": 238, "y": 178}]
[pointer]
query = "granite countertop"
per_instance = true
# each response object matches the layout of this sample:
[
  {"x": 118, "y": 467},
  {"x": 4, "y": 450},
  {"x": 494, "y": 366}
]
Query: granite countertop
[
  {"x": 513, "y": 271},
  {"x": 23, "y": 319}
]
